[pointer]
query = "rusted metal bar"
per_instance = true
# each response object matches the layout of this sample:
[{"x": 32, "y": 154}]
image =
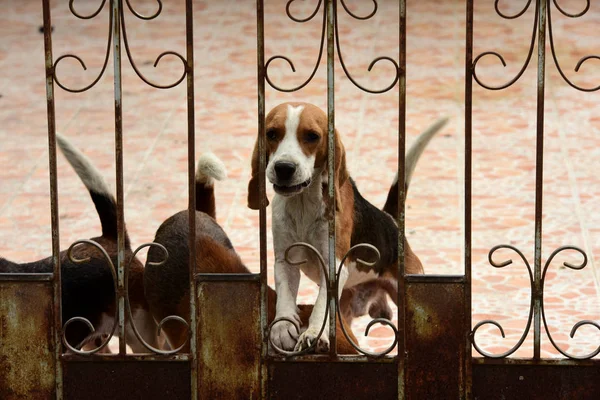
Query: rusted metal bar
[
  {"x": 225, "y": 277},
  {"x": 127, "y": 379},
  {"x": 28, "y": 363},
  {"x": 435, "y": 340},
  {"x": 339, "y": 358},
  {"x": 529, "y": 361},
  {"x": 229, "y": 339},
  {"x": 331, "y": 294},
  {"x": 539, "y": 180},
  {"x": 189, "y": 44},
  {"x": 262, "y": 216},
  {"x": 26, "y": 277},
  {"x": 116, "y": 31},
  {"x": 401, "y": 301},
  {"x": 333, "y": 380},
  {"x": 468, "y": 195},
  {"x": 125, "y": 357},
  {"x": 540, "y": 381},
  {"x": 55, "y": 328}
]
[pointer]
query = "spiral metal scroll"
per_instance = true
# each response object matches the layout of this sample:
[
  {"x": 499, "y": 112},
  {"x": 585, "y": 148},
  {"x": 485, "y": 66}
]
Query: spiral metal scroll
[
  {"x": 278, "y": 320},
  {"x": 166, "y": 319},
  {"x": 375, "y": 61},
  {"x": 381, "y": 321},
  {"x": 578, "y": 324},
  {"x": 108, "y": 43},
  {"x": 583, "y": 59},
  {"x": 127, "y": 49},
  {"x": 322, "y": 264},
  {"x": 492, "y": 322},
  {"x": 533, "y": 35},
  {"x": 316, "y": 67},
  {"x": 339, "y": 51},
  {"x": 83, "y": 319},
  {"x": 160, "y": 56},
  {"x": 493, "y": 53}
]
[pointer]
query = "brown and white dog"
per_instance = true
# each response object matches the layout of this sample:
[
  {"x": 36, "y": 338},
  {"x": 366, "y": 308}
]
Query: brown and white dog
[
  {"x": 297, "y": 167},
  {"x": 88, "y": 288},
  {"x": 167, "y": 285}
]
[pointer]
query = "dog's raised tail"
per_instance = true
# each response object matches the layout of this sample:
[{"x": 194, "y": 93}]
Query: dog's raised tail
[
  {"x": 210, "y": 168},
  {"x": 411, "y": 160},
  {"x": 101, "y": 195}
]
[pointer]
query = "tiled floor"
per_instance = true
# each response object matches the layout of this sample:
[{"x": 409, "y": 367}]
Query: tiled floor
[{"x": 225, "y": 52}]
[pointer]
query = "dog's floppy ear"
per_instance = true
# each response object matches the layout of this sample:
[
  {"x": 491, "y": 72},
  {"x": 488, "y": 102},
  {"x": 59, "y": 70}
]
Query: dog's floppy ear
[
  {"x": 253, "y": 191},
  {"x": 341, "y": 172}
]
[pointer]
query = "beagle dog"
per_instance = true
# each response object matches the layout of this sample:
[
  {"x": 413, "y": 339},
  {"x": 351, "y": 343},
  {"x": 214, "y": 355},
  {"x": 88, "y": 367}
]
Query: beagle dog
[
  {"x": 88, "y": 287},
  {"x": 167, "y": 285},
  {"x": 296, "y": 150}
]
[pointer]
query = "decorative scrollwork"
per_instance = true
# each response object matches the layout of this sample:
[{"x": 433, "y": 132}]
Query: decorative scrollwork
[
  {"x": 514, "y": 16},
  {"x": 90, "y": 16},
  {"x": 531, "y": 46},
  {"x": 164, "y": 320},
  {"x": 291, "y": 64},
  {"x": 578, "y": 324},
  {"x": 339, "y": 51},
  {"x": 375, "y": 5},
  {"x": 335, "y": 290},
  {"x": 492, "y": 322},
  {"x": 276, "y": 321},
  {"x": 372, "y": 64},
  {"x": 149, "y": 17},
  {"x": 382, "y": 321},
  {"x": 130, "y": 57},
  {"x": 83, "y": 319},
  {"x": 577, "y": 15},
  {"x": 127, "y": 49},
  {"x": 108, "y": 43},
  {"x": 553, "y": 51}
]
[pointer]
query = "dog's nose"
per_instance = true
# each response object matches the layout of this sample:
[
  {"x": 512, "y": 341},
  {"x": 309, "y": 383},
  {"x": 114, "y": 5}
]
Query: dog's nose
[{"x": 285, "y": 170}]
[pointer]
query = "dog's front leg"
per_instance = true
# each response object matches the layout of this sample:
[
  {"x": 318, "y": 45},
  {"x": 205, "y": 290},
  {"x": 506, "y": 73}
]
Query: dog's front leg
[
  {"x": 319, "y": 315},
  {"x": 287, "y": 281}
]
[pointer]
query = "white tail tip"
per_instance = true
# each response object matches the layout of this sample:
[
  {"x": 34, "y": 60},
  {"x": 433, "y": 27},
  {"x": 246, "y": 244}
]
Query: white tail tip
[{"x": 210, "y": 168}]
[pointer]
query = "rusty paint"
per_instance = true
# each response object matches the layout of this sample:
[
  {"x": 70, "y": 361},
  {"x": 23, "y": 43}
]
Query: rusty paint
[
  {"x": 468, "y": 167},
  {"x": 27, "y": 362},
  {"x": 262, "y": 163},
  {"x": 229, "y": 339},
  {"x": 434, "y": 339},
  {"x": 333, "y": 380},
  {"x": 126, "y": 380},
  {"x": 533, "y": 382},
  {"x": 191, "y": 134}
]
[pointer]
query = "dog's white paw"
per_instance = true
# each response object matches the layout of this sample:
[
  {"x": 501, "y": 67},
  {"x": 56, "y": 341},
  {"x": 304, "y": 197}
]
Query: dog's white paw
[
  {"x": 308, "y": 338},
  {"x": 284, "y": 334}
]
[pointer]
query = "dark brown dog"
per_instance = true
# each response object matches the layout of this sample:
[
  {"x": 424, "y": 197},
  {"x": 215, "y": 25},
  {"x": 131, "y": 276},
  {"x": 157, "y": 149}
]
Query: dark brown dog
[{"x": 88, "y": 287}]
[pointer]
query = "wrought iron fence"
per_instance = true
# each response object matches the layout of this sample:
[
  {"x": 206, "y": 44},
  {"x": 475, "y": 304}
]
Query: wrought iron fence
[{"x": 430, "y": 362}]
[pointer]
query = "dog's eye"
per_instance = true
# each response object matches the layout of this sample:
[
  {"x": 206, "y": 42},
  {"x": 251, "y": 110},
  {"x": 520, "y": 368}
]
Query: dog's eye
[
  {"x": 312, "y": 137},
  {"x": 271, "y": 134}
]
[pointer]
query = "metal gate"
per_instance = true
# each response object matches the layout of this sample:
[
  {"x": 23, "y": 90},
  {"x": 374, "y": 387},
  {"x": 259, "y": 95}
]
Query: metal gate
[{"x": 435, "y": 333}]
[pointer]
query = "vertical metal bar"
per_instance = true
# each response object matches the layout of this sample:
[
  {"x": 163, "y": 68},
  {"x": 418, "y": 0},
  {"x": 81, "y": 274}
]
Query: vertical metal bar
[
  {"x": 468, "y": 193},
  {"x": 57, "y": 325},
  {"x": 332, "y": 298},
  {"x": 116, "y": 27},
  {"x": 539, "y": 178},
  {"x": 189, "y": 40},
  {"x": 260, "y": 62},
  {"x": 401, "y": 198}
]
